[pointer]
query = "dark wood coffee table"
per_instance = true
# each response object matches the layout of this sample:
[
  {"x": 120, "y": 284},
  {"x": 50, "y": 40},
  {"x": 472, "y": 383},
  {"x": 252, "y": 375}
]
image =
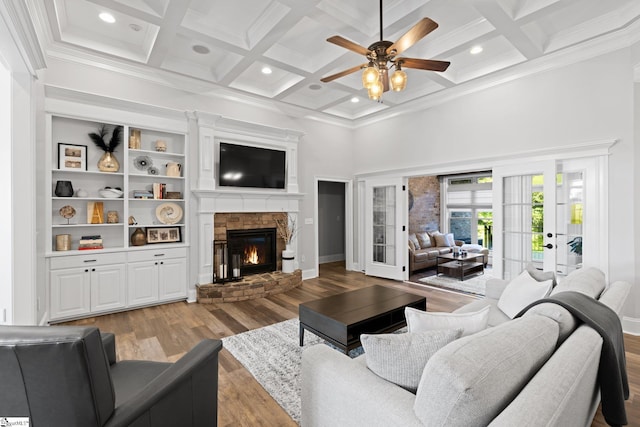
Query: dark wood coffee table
[
  {"x": 340, "y": 319},
  {"x": 460, "y": 266}
]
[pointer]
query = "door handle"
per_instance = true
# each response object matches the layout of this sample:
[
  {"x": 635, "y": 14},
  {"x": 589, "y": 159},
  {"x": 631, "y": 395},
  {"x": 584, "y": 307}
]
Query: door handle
[{"x": 548, "y": 246}]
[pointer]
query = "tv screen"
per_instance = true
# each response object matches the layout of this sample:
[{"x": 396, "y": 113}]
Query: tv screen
[{"x": 244, "y": 166}]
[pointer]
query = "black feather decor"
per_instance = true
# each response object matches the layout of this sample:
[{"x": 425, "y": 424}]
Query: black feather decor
[{"x": 98, "y": 138}]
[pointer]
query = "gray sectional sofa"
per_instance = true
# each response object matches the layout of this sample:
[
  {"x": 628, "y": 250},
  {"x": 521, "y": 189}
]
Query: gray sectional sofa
[
  {"x": 536, "y": 370},
  {"x": 424, "y": 249}
]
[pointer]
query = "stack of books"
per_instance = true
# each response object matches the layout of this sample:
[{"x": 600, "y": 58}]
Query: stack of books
[
  {"x": 90, "y": 242},
  {"x": 159, "y": 190},
  {"x": 142, "y": 194}
]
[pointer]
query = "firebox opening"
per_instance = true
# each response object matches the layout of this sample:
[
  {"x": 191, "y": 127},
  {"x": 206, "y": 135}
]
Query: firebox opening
[{"x": 256, "y": 248}]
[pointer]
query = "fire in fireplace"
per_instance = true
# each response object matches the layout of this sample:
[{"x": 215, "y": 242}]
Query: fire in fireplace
[{"x": 256, "y": 248}]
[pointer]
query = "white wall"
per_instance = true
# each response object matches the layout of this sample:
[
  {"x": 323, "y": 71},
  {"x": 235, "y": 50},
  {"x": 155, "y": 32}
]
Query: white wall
[{"x": 588, "y": 101}]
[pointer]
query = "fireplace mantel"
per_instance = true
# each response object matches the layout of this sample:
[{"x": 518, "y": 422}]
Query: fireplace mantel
[{"x": 210, "y": 199}]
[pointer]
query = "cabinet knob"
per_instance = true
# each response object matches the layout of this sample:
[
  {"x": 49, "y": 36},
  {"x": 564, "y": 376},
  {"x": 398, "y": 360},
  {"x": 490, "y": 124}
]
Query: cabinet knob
[
  {"x": 161, "y": 262},
  {"x": 86, "y": 271},
  {"x": 93, "y": 269}
]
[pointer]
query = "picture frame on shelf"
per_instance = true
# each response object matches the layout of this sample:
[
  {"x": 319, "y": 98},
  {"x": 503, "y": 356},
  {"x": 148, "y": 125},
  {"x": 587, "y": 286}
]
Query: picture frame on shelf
[
  {"x": 163, "y": 235},
  {"x": 72, "y": 157}
]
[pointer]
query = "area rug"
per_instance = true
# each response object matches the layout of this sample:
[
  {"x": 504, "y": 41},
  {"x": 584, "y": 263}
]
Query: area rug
[
  {"x": 272, "y": 355},
  {"x": 474, "y": 285}
]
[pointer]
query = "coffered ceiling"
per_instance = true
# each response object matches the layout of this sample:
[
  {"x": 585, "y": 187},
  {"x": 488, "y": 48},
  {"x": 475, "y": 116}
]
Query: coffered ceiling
[{"x": 222, "y": 45}]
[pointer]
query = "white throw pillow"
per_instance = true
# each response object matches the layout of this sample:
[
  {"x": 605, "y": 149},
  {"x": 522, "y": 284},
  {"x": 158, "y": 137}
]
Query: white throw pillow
[
  {"x": 470, "y": 323},
  {"x": 522, "y": 291},
  {"x": 440, "y": 240},
  {"x": 400, "y": 358},
  {"x": 451, "y": 241}
]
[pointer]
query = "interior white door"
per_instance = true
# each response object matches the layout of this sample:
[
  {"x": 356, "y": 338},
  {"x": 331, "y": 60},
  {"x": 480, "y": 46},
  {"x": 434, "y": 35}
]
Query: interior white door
[
  {"x": 384, "y": 230},
  {"x": 547, "y": 213}
]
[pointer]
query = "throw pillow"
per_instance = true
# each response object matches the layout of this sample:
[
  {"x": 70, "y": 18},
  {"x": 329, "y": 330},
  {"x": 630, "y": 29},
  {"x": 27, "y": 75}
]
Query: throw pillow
[
  {"x": 400, "y": 358},
  {"x": 540, "y": 275},
  {"x": 414, "y": 240},
  {"x": 440, "y": 240},
  {"x": 470, "y": 381},
  {"x": 522, "y": 291},
  {"x": 424, "y": 240},
  {"x": 469, "y": 323},
  {"x": 451, "y": 241}
]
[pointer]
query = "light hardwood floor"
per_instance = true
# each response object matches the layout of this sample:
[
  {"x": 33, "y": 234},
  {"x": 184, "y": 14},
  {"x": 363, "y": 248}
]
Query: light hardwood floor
[{"x": 165, "y": 333}]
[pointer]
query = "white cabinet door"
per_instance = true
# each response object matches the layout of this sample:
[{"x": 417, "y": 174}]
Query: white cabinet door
[
  {"x": 108, "y": 288},
  {"x": 142, "y": 278},
  {"x": 171, "y": 278},
  {"x": 70, "y": 292}
]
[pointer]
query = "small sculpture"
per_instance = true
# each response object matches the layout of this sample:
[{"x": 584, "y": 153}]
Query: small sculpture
[{"x": 67, "y": 212}]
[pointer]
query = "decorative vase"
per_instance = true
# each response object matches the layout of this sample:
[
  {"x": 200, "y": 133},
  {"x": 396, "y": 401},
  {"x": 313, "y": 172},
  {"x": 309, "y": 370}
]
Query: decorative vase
[
  {"x": 64, "y": 189},
  {"x": 138, "y": 238},
  {"x": 108, "y": 163},
  {"x": 288, "y": 257}
]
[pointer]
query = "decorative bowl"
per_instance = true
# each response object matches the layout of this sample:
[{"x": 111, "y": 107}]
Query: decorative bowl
[{"x": 110, "y": 193}]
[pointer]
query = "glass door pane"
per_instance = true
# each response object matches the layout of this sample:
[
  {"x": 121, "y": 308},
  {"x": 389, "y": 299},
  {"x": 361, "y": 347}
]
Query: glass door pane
[
  {"x": 384, "y": 224},
  {"x": 523, "y": 214},
  {"x": 570, "y": 218}
]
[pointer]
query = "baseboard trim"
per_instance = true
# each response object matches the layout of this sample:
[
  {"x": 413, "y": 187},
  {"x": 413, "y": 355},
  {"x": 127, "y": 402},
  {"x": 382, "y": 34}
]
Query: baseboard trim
[
  {"x": 631, "y": 325},
  {"x": 311, "y": 273},
  {"x": 331, "y": 258}
]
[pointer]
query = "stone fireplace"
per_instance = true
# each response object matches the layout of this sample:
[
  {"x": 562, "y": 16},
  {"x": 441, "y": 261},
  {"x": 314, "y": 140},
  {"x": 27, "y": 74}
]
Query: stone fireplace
[{"x": 221, "y": 209}]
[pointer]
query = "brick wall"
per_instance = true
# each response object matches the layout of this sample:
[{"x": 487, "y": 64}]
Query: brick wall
[{"x": 424, "y": 215}]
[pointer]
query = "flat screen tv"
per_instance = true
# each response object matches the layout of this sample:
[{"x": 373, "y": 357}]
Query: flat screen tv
[{"x": 245, "y": 166}]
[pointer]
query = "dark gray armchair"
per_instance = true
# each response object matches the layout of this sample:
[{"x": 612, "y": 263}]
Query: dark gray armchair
[{"x": 68, "y": 376}]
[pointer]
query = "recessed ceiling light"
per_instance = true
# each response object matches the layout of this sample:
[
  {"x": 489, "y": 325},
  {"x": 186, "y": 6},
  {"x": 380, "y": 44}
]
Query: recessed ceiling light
[
  {"x": 475, "y": 50},
  {"x": 135, "y": 27},
  {"x": 315, "y": 87},
  {"x": 107, "y": 17},
  {"x": 355, "y": 99},
  {"x": 266, "y": 70},
  {"x": 198, "y": 48}
]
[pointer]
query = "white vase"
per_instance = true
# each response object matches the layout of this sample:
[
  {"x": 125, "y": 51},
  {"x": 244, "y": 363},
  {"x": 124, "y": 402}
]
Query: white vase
[{"x": 288, "y": 258}]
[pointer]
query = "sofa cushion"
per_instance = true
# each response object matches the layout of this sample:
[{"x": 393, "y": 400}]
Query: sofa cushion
[
  {"x": 541, "y": 276},
  {"x": 589, "y": 281},
  {"x": 522, "y": 291},
  {"x": 400, "y": 358},
  {"x": 433, "y": 253},
  {"x": 469, "y": 323},
  {"x": 424, "y": 239},
  {"x": 414, "y": 244},
  {"x": 473, "y": 379},
  {"x": 566, "y": 322},
  {"x": 421, "y": 256}
]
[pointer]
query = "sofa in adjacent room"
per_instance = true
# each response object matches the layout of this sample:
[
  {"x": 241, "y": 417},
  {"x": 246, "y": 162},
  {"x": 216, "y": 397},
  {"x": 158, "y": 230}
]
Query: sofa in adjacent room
[
  {"x": 424, "y": 248},
  {"x": 536, "y": 370}
]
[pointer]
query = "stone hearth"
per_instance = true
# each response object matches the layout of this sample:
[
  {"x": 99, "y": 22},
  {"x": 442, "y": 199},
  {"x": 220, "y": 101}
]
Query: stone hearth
[{"x": 250, "y": 287}]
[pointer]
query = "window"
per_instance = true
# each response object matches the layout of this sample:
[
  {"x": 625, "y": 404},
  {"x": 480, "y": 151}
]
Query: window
[{"x": 468, "y": 202}]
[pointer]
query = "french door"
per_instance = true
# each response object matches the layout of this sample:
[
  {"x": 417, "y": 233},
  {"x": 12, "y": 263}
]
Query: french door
[
  {"x": 385, "y": 241},
  {"x": 549, "y": 213}
]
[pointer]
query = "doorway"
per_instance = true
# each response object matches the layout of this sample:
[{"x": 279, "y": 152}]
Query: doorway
[{"x": 332, "y": 226}]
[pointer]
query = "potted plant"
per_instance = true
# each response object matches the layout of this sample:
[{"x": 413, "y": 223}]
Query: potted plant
[
  {"x": 108, "y": 162},
  {"x": 286, "y": 228}
]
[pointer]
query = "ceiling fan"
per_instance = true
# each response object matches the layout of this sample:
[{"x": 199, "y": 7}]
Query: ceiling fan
[{"x": 382, "y": 55}]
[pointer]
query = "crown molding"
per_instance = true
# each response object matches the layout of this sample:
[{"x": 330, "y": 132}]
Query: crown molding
[
  {"x": 239, "y": 127},
  {"x": 18, "y": 19}
]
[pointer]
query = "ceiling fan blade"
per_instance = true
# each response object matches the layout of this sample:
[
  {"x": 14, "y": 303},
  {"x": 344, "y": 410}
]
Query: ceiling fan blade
[
  {"x": 418, "y": 31},
  {"x": 348, "y": 44},
  {"x": 423, "y": 64},
  {"x": 342, "y": 73}
]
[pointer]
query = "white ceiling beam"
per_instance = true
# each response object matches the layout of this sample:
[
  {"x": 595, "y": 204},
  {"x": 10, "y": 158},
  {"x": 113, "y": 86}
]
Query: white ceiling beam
[
  {"x": 505, "y": 25},
  {"x": 176, "y": 12}
]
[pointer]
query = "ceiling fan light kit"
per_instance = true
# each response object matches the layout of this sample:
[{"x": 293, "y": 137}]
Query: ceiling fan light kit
[{"x": 381, "y": 56}]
